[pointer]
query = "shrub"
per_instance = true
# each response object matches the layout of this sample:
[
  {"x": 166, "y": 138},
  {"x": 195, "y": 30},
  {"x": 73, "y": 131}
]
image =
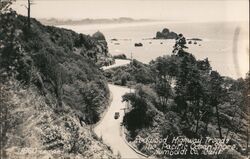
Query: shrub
[{"x": 121, "y": 56}]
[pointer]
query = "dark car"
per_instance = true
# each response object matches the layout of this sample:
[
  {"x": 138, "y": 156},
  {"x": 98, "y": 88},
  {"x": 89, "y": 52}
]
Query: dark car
[{"x": 117, "y": 115}]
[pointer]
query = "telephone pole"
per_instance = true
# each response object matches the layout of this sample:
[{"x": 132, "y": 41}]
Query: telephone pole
[
  {"x": 131, "y": 58},
  {"x": 131, "y": 65}
]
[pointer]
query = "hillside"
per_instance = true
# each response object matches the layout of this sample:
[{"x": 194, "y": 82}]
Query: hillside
[
  {"x": 178, "y": 100},
  {"x": 52, "y": 90}
]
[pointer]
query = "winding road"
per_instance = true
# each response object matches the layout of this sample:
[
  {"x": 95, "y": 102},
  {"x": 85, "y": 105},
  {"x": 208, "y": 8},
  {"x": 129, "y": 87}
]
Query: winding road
[
  {"x": 110, "y": 129},
  {"x": 118, "y": 62}
]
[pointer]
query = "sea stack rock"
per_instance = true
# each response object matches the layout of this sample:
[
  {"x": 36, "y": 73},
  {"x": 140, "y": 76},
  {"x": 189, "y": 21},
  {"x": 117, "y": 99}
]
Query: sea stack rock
[
  {"x": 166, "y": 34},
  {"x": 98, "y": 36},
  {"x": 138, "y": 44}
]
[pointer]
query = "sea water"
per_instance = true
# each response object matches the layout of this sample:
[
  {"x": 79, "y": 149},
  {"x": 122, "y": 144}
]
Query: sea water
[{"x": 228, "y": 56}]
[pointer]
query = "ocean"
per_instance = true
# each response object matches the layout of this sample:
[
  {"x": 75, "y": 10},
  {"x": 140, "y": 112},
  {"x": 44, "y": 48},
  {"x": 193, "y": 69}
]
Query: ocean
[{"x": 228, "y": 56}]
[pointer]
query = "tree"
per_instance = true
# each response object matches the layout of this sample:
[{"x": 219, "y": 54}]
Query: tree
[
  {"x": 195, "y": 93},
  {"x": 28, "y": 7},
  {"x": 11, "y": 52},
  {"x": 166, "y": 69},
  {"x": 58, "y": 83},
  {"x": 216, "y": 93},
  {"x": 5, "y": 5},
  {"x": 189, "y": 90},
  {"x": 142, "y": 112},
  {"x": 124, "y": 78},
  {"x": 179, "y": 43},
  {"x": 181, "y": 88},
  {"x": 92, "y": 101},
  {"x": 53, "y": 72}
]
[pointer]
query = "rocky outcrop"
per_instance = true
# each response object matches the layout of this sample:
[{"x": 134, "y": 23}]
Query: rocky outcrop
[
  {"x": 138, "y": 44},
  {"x": 98, "y": 36},
  {"x": 166, "y": 34},
  {"x": 104, "y": 58},
  {"x": 195, "y": 39}
]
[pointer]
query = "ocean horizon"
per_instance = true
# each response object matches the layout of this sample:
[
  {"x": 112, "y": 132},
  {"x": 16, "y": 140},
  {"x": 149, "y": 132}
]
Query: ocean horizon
[{"x": 216, "y": 45}]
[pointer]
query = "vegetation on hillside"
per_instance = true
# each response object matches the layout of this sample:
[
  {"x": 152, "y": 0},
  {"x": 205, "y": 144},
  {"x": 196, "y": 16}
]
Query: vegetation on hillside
[
  {"x": 120, "y": 56},
  {"x": 131, "y": 75},
  {"x": 52, "y": 87},
  {"x": 178, "y": 95}
]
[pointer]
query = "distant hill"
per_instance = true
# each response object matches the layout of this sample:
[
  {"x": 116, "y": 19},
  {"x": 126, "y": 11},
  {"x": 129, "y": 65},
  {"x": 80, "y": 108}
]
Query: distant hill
[{"x": 54, "y": 21}]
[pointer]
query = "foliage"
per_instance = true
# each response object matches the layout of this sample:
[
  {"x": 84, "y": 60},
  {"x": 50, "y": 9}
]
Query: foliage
[
  {"x": 50, "y": 58},
  {"x": 5, "y": 5},
  {"x": 92, "y": 101},
  {"x": 58, "y": 89},
  {"x": 142, "y": 111},
  {"x": 137, "y": 72},
  {"x": 120, "y": 56},
  {"x": 195, "y": 100},
  {"x": 5, "y": 116},
  {"x": 31, "y": 126}
]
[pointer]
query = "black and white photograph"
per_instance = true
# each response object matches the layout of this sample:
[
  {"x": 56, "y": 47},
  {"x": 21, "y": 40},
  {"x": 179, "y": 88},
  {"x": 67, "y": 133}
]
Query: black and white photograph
[{"x": 124, "y": 79}]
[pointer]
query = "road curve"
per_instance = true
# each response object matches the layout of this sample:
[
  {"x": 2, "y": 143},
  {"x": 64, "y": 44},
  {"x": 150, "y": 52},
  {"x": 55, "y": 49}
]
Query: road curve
[
  {"x": 118, "y": 62},
  {"x": 109, "y": 128}
]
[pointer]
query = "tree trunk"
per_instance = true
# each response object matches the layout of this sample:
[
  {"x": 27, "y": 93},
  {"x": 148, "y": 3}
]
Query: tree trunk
[
  {"x": 197, "y": 125},
  {"x": 197, "y": 115},
  {"x": 247, "y": 141},
  {"x": 29, "y": 13},
  {"x": 206, "y": 127},
  {"x": 218, "y": 119},
  {"x": 59, "y": 94}
]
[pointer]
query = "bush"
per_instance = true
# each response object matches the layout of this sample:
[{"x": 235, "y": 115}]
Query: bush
[
  {"x": 143, "y": 111},
  {"x": 93, "y": 99},
  {"x": 121, "y": 56}
]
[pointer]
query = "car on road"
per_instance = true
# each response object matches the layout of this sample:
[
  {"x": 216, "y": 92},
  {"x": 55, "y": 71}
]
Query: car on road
[{"x": 117, "y": 115}]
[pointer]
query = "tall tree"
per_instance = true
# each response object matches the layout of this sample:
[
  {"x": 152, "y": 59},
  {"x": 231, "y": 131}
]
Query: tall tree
[
  {"x": 216, "y": 94},
  {"x": 165, "y": 68}
]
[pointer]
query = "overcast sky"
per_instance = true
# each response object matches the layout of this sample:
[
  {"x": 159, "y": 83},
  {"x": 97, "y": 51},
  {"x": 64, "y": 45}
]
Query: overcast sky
[{"x": 184, "y": 10}]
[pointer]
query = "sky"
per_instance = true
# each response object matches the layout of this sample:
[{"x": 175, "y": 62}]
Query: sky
[{"x": 174, "y": 10}]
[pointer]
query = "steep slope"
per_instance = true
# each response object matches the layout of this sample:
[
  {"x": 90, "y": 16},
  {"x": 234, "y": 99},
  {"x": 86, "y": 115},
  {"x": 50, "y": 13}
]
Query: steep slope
[{"x": 52, "y": 90}]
